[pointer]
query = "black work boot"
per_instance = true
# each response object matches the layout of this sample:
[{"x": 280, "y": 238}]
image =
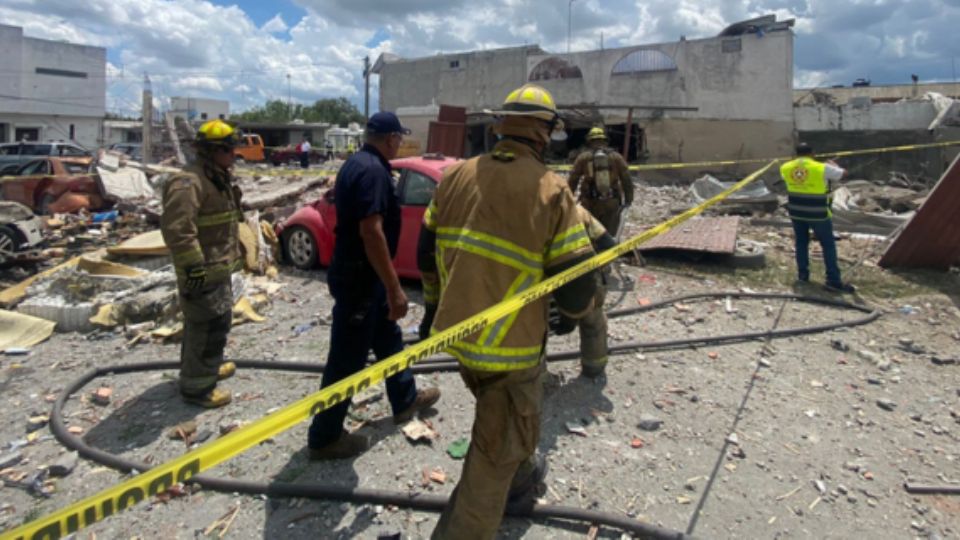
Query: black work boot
[{"x": 347, "y": 446}]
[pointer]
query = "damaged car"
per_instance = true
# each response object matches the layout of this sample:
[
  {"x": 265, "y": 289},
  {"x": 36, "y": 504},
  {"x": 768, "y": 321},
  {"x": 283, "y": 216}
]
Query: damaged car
[
  {"x": 49, "y": 185},
  {"x": 20, "y": 230}
]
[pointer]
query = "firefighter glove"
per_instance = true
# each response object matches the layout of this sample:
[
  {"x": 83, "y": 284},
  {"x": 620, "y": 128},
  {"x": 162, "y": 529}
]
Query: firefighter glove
[{"x": 196, "y": 277}]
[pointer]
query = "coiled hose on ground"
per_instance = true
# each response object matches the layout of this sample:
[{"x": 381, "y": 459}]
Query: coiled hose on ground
[{"x": 436, "y": 503}]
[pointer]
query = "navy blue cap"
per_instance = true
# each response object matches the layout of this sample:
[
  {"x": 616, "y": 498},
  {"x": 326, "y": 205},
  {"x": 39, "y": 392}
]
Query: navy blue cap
[{"x": 385, "y": 122}]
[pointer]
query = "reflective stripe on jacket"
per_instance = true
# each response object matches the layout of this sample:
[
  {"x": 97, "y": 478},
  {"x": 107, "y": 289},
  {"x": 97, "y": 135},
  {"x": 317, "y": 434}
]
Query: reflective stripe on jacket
[
  {"x": 808, "y": 193},
  {"x": 501, "y": 223},
  {"x": 200, "y": 224}
]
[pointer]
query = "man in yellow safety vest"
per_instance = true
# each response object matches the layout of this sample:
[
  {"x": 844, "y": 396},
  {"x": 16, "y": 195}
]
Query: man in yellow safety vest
[{"x": 808, "y": 187}]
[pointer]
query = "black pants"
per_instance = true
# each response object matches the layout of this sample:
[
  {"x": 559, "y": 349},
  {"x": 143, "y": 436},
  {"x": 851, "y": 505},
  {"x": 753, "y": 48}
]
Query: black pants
[
  {"x": 304, "y": 159},
  {"x": 360, "y": 323}
]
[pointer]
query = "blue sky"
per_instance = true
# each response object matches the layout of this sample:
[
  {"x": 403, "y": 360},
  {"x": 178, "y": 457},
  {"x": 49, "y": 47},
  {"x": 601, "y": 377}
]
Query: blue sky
[{"x": 243, "y": 51}]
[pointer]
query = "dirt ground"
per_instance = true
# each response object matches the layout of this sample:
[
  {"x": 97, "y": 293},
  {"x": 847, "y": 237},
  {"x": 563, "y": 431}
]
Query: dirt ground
[{"x": 806, "y": 437}]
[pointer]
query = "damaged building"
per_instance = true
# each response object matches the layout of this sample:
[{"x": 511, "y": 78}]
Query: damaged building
[
  {"x": 852, "y": 118},
  {"x": 678, "y": 101}
]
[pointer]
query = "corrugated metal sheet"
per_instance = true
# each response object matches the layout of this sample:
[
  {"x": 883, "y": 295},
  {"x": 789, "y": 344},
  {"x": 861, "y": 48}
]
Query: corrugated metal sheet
[
  {"x": 709, "y": 235},
  {"x": 932, "y": 238}
]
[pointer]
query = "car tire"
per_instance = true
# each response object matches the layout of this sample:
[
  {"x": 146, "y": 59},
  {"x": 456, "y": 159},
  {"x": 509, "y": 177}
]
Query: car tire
[
  {"x": 239, "y": 161},
  {"x": 749, "y": 255},
  {"x": 43, "y": 208},
  {"x": 300, "y": 248},
  {"x": 8, "y": 244}
]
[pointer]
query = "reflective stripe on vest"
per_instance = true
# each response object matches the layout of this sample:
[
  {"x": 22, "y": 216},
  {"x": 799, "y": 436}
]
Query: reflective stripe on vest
[
  {"x": 808, "y": 196},
  {"x": 211, "y": 220},
  {"x": 431, "y": 292},
  {"x": 491, "y": 247},
  {"x": 496, "y": 358},
  {"x": 568, "y": 241},
  {"x": 494, "y": 334}
]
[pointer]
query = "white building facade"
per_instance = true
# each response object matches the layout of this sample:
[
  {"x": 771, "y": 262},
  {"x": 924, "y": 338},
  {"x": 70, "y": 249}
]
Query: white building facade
[
  {"x": 51, "y": 90},
  {"x": 195, "y": 110}
]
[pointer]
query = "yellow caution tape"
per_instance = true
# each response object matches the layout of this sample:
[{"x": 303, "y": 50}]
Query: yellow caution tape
[
  {"x": 160, "y": 478},
  {"x": 728, "y": 162}
]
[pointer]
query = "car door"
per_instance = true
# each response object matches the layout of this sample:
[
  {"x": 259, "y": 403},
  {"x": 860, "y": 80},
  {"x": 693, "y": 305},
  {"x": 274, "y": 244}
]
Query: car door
[
  {"x": 22, "y": 189},
  {"x": 416, "y": 191}
]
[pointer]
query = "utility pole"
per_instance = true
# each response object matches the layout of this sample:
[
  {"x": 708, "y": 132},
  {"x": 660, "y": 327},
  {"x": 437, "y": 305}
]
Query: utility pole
[
  {"x": 366, "y": 87},
  {"x": 569, "y": 23},
  {"x": 289, "y": 100},
  {"x": 146, "y": 137}
]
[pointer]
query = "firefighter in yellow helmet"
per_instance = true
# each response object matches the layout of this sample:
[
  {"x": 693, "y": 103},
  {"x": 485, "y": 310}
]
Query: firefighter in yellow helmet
[
  {"x": 606, "y": 186},
  {"x": 201, "y": 212},
  {"x": 498, "y": 225}
]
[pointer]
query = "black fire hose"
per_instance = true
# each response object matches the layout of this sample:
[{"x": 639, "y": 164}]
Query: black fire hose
[{"x": 432, "y": 503}]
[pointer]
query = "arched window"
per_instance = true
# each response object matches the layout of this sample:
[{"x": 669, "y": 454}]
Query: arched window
[
  {"x": 644, "y": 61},
  {"x": 555, "y": 68}
]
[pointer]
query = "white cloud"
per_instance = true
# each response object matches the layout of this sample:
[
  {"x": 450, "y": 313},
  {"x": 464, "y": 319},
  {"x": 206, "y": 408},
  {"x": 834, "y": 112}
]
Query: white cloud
[
  {"x": 276, "y": 25},
  {"x": 198, "y": 48}
]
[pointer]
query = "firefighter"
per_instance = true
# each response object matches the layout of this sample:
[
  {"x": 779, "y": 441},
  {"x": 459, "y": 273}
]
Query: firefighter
[
  {"x": 201, "y": 212},
  {"x": 593, "y": 327},
  {"x": 498, "y": 224},
  {"x": 607, "y": 189}
]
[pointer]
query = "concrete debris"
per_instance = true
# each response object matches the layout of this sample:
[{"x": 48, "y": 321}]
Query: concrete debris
[
  {"x": 886, "y": 404},
  {"x": 64, "y": 465},
  {"x": 753, "y": 199},
  {"x": 649, "y": 423}
]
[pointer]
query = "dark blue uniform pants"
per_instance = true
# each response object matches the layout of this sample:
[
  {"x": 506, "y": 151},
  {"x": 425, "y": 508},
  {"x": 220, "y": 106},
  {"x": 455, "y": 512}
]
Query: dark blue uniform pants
[
  {"x": 824, "y": 231},
  {"x": 359, "y": 324}
]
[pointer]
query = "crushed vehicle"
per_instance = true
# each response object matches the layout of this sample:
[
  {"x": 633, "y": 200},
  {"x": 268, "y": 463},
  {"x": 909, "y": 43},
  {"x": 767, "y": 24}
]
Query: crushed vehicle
[
  {"x": 306, "y": 238},
  {"x": 20, "y": 230},
  {"x": 40, "y": 184},
  {"x": 134, "y": 151},
  {"x": 14, "y": 154}
]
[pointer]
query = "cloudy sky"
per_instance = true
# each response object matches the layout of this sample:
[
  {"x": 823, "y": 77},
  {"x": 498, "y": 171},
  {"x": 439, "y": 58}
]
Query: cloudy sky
[{"x": 243, "y": 50}]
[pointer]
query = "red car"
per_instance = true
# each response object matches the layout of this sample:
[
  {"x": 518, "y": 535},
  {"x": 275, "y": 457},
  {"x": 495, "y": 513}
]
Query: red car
[{"x": 307, "y": 236}]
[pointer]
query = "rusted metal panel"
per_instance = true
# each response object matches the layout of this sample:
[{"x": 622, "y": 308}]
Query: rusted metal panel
[
  {"x": 447, "y": 138},
  {"x": 709, "y": 235},
  {"x": 932, "y": 238}
]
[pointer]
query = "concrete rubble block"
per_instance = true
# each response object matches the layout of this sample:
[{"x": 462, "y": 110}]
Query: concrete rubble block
[
  {"x": 649, "y": 422},
  {"x": 64, "y": 465}
]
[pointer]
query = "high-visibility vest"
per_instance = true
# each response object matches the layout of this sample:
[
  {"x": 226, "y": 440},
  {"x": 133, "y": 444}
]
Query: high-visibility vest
[{"x": 808, "y": 193}]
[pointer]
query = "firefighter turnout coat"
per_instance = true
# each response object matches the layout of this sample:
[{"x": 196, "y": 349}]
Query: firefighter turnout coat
[
  {"x": 502, "y": 221},
  {"x": 201, "y": 215}
]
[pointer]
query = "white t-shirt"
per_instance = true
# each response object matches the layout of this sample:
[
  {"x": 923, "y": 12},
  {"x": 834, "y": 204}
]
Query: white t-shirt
[
  {"x": 305, "y": 146},
  {"x": 832, "y": 172}
]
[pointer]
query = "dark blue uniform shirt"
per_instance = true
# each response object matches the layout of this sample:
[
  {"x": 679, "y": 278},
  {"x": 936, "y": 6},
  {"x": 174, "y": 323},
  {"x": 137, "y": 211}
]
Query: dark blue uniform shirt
[{"x": 364, "y": 187}]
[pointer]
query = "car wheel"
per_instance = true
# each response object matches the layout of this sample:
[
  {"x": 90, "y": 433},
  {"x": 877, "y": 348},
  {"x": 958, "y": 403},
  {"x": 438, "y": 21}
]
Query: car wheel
[
  {"x": 45, "y": 202},
  {"x": 240, "y": 162},
  {"x": 8, "y": 244},
  {"x": 301, "y": 248}
]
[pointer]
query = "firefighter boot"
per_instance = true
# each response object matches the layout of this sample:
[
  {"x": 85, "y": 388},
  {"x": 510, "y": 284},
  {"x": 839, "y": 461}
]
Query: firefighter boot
[
  {"x": 226, "y": 370},
  {"x": 211, "y": 399}
]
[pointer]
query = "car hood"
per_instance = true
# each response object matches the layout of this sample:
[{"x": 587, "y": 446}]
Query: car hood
[{"x": 13, "y": 211}]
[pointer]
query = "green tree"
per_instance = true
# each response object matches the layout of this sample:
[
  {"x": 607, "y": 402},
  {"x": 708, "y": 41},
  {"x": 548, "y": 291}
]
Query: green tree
[{"x": 335, "y": 111}]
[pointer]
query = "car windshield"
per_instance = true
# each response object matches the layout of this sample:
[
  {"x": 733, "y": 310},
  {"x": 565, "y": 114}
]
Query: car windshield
[{"x": 35, "y": 150}]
